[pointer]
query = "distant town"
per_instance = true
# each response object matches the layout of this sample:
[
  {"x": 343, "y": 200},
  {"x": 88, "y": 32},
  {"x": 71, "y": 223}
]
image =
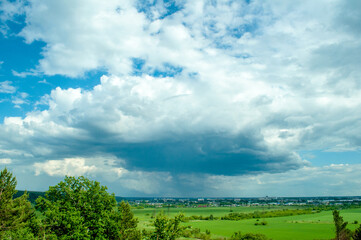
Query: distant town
[
  {"x": 144, "y": 202},
  {"x": 236, "y": 202}
]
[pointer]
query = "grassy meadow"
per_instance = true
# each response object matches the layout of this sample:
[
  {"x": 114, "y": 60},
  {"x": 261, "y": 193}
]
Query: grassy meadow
[{"x": 299, "y": 227}]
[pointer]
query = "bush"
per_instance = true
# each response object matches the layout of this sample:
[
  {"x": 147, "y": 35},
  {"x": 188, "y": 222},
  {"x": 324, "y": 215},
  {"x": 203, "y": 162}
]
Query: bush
[
  {"x": 167, "y": 228},
  {"x": 263, "y": 223},
  {"x": 248, "y": 236}
]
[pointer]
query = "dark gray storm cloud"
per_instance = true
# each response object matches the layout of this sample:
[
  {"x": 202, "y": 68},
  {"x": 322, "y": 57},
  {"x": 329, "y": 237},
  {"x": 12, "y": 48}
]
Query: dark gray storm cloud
[
  {"x": 215, "y": 154},
  {"x": 208, "y": 154}
]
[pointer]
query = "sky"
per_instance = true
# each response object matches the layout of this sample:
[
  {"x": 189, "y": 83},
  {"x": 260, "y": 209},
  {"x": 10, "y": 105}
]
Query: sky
[{"x": 183, "y": 98}]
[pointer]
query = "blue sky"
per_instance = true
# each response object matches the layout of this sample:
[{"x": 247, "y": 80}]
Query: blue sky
[{"x": 183, "y": 98}]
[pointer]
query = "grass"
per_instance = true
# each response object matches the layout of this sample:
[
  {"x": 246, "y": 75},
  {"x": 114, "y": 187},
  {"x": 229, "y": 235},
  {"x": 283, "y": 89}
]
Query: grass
[
  {"x": 300, "y": 227},
  {"x": 215, "y": 211}
]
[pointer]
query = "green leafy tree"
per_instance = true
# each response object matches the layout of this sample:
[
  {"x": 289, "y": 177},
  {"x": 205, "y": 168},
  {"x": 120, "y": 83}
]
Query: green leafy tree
[
  {"x": 78, "y": 208},
  {"x": 168, "y": 228},
  {"x": 342, "y": 233},
  {"x": 16, "y": 214},
  {"x": 127, "y": 223}
]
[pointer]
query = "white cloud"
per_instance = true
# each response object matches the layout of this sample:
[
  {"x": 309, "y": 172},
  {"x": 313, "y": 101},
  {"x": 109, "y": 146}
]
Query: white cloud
[
  {"x": 20, "y": 99},
  {"x": 140, "y": 109},
  {"x": 95, "y": 43},
  {"x": 5, "y": 161},
  {"x": 106, "y": 169},
  {"x": 68, "y": 166},
  {"x": 24, "y": 74},
  {"x": 44, "y": 81},
  {"x": 6, "y": 87}
]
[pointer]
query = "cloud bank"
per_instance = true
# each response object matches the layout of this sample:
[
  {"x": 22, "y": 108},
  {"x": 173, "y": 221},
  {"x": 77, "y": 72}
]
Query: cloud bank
[{"x": 221, "y": 90}]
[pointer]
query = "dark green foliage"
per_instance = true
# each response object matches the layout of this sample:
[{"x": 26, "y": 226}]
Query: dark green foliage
[
  {"x": 342, "y": 233},
  {"x": 15, "y": 214},
  {"x": 263, "y": 223},
  {"x": 33, "y": 195},
  {"x": 267, "y": 214},
  {"x": 200, "y": 217},
  {"x": 78, "y": 208},
  {"x": 196, "y": 233},
  {"x": 127, "y": 223},
  {"x": 7, "y": 187},
  {"x": 20, "y": 233},
  {"x": 248, "y": 236},
  {"x": 167, "y": 228},
  {"x": 357, "y": 234}
]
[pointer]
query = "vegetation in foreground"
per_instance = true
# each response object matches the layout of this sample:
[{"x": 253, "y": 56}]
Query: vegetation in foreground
[{"x": 78, "y": 208}]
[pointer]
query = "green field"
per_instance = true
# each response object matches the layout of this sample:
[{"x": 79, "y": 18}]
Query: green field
[{"x": 300, "y": 227}]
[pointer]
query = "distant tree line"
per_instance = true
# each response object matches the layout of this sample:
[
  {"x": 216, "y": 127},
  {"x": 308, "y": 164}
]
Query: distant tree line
[
  {"x": 256, "y": 214},
  {"x": 32, "y": 195},
  {"x": 266, "y": 214}
]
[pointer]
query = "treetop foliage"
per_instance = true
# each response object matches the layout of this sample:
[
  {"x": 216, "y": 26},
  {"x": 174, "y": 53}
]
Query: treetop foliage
[
  {"x": 168, "y": 228},
  {"x": 78, "y": 208},
  {"x": 7, "y": 187},
  {"x": 15, "y": 214},
  {"x": 248, "y": 236}
]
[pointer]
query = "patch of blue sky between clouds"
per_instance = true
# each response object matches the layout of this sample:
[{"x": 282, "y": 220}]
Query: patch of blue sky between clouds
[
  {"x": 321, "y": 158},
  {"x": 137, "y": 65},
  {"x": 224, "y": 32},
  {"x": 18, "y": 57},
  {"x": 250, "y": 24},
  {"x": 18, "y": 62},
  {"x": 166, "y": 70},
  {"x": 159, "y": 9},
  {"x": 39, "y": 86},
  {"x": 239, "y": 31}
]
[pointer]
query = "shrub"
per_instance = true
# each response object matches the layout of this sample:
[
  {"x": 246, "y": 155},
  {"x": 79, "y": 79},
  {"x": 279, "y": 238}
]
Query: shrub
[{"x": 248, "y": 236}]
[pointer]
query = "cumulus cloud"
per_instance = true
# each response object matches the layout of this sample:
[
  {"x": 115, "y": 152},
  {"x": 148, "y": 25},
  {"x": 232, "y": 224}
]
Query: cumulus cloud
[
  {"x": 68, "y": 166},
  {"x": 209, "y": 88},
  {"x": 155, "y": 124}
]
